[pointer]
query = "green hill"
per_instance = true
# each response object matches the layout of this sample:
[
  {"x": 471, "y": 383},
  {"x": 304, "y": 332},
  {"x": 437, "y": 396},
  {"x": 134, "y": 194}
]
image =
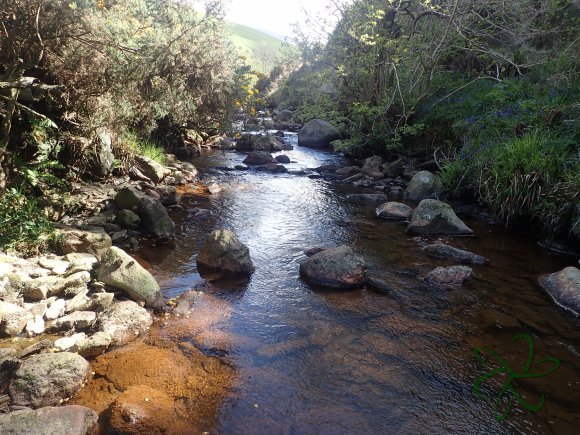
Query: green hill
[{"x": 260, "y": 49}]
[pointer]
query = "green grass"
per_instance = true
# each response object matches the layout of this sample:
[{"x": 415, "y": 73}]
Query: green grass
[
  {"x": 260, "y": 49},
  {"x": 146, "y": 148}
]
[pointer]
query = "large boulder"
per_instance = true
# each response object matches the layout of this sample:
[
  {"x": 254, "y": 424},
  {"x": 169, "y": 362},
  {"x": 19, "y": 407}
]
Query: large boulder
[
  {"x": 259, "y": 158},
  {"x": 128, "y": 198},
  {"x": 90, "y": 240},
  {"x": 13, "y": 318},
  {"x": 118, "y": 269},
  {"x": 335, "y": 268},
  {"x": 285, "y": 115},
  {"x": 373, "y": 167},
  {"x": 441, "y": 250},
  {"x": 124, "y": 322},
  {"x": 153, "y": 170},
  {"x": 394, "y": 211},
  {"x": 564, "y": 288},
  {"x": 223, "y": 251},
  {"x": 48, "y": 378},
  {"x": 155, "y": 218},
  {"x": 317, "y": 134},
  {"x": 63, "y": 420},
  {"x": 423, "y": 185},
  {"x": 432, "y": 217}
]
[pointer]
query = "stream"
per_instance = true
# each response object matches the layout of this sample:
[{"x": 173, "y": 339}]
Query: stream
[{"x": 318, "y": 361}]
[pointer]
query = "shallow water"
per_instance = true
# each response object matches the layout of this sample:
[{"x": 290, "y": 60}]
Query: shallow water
[{"x": 314, "y": 361}]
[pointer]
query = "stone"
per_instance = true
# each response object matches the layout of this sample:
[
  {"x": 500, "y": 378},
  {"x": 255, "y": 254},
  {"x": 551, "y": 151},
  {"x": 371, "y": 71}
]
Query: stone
[
  {"x": 393, "y": 169},
  {"x": 97, "y": 302},
  {"x": 282, "y": 158},
  {"x": 128, "y": 198},
  {"x": 223, "y": 251},
  {"x": 432, "y": 217},
  {"x": 55, "y": 310},
  {"x": 285, "y": 115},
  {"x": 72, "y": 285},
  {"x": 349, "y": 171},
  {"x": 273, "y": 168},
  {"x": 335, "y": 268},
  {"x": 155, "y": 218},
  {"x": 128, "y": 219},
  {"x": 315, "y": 250},
  {"x": 78, "y": 302},
  {"x": 13, "y": 318},
  {"x": 394, "y": 210},
  {"x": 62, "y": 420},
  {"x": 69, "y": 343},
  {"x": 95, "y": 345},
  {"x": 48, "y": 378},
  {"x": 57, "y": 266},
  {"x": 380, "y": 285},
  {"x": 168, "y": 195},
  {"x": 367, "y": 198},
  {"x": 35, "y": 326},
  {"x": 441, "y": 250},
  {"x": 6, "y": 269},
  {"x": 118, "y": 269},
  {"x": 268, "y": 143},
  {"x": 94, "y": 241},
  {"x": 449, "y": 276},
  {"x": 564, "y": 288},
  {"x": 259, "y": 158},
  {"x": 372, "y": 165},
  {"x": 214, "y": 188},
  {"x": 422, "y": 186},
  {"x": 124, "y": 321},
  {"x": 102, "y": 159},
  {"x": 317, "y": 134},
  {"x": 153, "y": 170},
  {"x": 78, "y": 320}
]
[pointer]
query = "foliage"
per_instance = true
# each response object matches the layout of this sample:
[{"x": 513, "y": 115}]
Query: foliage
[
  {"x": 258, "y": 48},
  {"x": 145, "y": 148},
  {"x": 24, "y": 227}
]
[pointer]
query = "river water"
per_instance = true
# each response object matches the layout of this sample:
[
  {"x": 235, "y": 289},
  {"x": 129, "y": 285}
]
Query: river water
[{"x": 318, "y": 361}]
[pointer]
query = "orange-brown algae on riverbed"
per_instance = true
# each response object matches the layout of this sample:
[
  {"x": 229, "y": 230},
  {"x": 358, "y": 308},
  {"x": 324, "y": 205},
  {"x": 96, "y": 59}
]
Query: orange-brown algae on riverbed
[{"x": 163, "y": 383}]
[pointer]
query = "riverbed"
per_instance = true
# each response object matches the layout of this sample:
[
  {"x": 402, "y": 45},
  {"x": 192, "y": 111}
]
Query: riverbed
[{"x": 305, "y": 360}]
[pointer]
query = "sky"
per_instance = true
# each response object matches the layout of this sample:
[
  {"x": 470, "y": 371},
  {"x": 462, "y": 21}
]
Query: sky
[{"x": 273, "y": 16}]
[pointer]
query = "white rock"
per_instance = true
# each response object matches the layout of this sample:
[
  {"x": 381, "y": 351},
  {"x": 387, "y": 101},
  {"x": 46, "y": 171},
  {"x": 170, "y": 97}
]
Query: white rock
[
  {"x": 53, "y": 264},
  {"x": 35, "y": 326},
  {"x": 55, "y": 310},
  {"x": 69, "y": 344},
  {"x": 5, "y": 269},
  {"x": 38, "y": 272},
  {"x": 13, "y": 318},
  {"x": 76, "y": 303}
]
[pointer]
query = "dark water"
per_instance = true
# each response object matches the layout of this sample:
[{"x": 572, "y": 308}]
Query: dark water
[{"x": 310, "y": 361}]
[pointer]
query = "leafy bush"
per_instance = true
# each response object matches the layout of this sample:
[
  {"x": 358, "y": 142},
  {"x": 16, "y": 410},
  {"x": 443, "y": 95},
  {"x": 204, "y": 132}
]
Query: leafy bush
[{"x": 24, "y": 227}]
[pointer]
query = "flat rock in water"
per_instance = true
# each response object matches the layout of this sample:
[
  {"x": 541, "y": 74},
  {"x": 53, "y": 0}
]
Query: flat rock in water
[
  {"x": 432, "y": 217},
  {"x": 441, "y": 250},
  {"x": 367, "y": 198},
  {"x": 335, "y": 268},
  {"x": 223, "y": 251},
  {"x": 259, "y": 158},
  {"x": 394, "y": 211},
  {"x": 62, "y": 420},
  {"x": 48, "y": 378},
  {"x": 564, "y": 288},
  {"x": 449, "y": 276}
]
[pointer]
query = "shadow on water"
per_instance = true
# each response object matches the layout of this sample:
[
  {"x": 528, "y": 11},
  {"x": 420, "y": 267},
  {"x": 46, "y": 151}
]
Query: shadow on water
[{"x": 310, "y": 361}]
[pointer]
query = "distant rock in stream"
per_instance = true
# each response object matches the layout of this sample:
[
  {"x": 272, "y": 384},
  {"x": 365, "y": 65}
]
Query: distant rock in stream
[
  {"x": 394, "y": 211},
  {"x": 564, "y": 288},
  {"x": 335, "y": 268},
  {"x": 317, "y": 134},
  {"x": 422, "y": 186},
  {"x": 432, "y": 217},
  {"x": 449, "y": 276},
  {"x": 224, "y": 252},
  {"x": 259, "y": 158},
  {"x": 441, "y": 250}
]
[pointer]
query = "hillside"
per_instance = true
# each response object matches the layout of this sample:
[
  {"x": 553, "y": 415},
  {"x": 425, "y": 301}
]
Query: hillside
[{"x": 260, "y": 48}]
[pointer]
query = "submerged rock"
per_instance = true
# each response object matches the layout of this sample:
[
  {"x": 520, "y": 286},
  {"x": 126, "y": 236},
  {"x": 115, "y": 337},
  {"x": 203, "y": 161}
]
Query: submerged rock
[
  {"x": 48, "y": 378},
  {"x": 564, "y": 288},
  {"x": 317, "y": 134},
  {"x": 366, "y": 198},
  {"x": 335, "y": 268},
  {"x": 423, "y": 185},
  {"x": 224, "y": 252},
  {"x": 432, "y": 217},
  {"x": 394, "y": 210},
  {"x": 118, "y": 269},
  {"x": 63, "y": 420},
  {"x": 441, "y": 250},
  {"x": 449, "y": 276}
]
